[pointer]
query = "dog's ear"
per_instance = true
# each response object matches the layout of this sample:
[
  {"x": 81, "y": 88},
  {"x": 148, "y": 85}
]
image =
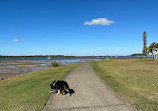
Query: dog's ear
[{"x": 53, "y": 82}]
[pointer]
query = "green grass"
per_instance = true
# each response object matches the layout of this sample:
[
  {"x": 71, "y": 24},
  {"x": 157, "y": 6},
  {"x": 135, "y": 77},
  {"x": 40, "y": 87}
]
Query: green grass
[
  {"x": 29, "y": 92},
  {"x": 135, "y": 80}
]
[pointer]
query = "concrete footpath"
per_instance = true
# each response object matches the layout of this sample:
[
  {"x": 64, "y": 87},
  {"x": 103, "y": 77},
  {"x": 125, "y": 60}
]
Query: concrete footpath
[{"x": 91, "y": 94}]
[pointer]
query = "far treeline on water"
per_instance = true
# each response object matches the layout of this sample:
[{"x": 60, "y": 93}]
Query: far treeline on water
[{"x": 35, "y": 56}]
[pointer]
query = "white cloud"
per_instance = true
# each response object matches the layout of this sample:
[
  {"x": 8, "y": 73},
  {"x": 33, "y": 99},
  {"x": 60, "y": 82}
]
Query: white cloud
[
  {"x": 16, "y": 40},
  {"x": 99, "y": 21}
]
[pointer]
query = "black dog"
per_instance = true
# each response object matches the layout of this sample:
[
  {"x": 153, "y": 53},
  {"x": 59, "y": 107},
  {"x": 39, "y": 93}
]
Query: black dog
[{"x": 60, "y": 86}]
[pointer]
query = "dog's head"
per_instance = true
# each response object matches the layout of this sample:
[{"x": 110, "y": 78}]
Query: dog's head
[{"x": 53, "y": 86}]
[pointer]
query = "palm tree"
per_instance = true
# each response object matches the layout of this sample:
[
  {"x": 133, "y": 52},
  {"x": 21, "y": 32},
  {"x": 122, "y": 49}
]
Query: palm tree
[
  {"x": 152, "y": 49},
  {"x": 144, "y": 43}
]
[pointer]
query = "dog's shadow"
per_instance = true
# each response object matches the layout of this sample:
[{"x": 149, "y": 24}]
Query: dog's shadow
[{"x": 71, "y": 91}]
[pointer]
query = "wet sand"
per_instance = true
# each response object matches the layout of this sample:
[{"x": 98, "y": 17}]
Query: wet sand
[{"x": 12, "y": 68}]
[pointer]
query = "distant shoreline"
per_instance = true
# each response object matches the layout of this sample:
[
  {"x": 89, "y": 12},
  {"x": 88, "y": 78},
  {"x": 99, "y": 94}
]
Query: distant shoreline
[
  {"x": 66, "y": 57},
  {"x": 35, "y": 56}
]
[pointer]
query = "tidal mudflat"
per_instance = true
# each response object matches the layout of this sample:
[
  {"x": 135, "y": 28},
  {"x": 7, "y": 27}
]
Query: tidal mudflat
[{"x": 12, "y": 68}]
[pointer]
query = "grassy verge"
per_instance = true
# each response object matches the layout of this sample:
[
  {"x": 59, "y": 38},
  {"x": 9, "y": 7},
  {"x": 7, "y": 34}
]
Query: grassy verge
[
  {"x": 29, "y": 92},
  {"x": 136, "y": 80}
]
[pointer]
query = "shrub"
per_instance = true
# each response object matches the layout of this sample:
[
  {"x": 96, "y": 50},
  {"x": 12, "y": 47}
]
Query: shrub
[{"x": 54, "y": 64}]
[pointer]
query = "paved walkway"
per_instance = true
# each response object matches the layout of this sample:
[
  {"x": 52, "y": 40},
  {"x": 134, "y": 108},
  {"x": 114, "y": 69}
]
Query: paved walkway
[{"x": 91, "y": 94}]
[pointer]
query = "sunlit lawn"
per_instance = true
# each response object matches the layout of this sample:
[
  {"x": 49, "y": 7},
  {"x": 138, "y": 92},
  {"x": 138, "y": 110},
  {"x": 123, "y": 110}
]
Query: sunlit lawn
[
  {"x": 136, "y": 80},
  {"x": 29, "y": 92}
]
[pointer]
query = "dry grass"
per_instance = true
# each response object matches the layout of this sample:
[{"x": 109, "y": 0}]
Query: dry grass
[{"x": 136, "y": 80}]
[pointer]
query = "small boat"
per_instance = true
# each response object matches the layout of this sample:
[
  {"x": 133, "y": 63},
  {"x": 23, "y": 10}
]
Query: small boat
[{"x": 48, "y": 57}]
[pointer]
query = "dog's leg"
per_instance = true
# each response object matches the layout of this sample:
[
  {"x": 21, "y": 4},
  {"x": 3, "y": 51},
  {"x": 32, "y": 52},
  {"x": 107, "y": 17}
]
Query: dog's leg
[
  {"x": 52, "y": 91},
  {"x": 62, "y": 91},
  {"x": 68, "y": 92},
  {"x": 58, "y": 92}
]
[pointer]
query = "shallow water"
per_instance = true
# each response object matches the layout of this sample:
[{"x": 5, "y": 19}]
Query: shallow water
[{"x": 10, "y": 68}]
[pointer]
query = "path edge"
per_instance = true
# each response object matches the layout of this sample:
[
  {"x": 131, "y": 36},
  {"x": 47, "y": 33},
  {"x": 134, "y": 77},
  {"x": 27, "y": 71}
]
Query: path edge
[{"x": 129, "y": 105}]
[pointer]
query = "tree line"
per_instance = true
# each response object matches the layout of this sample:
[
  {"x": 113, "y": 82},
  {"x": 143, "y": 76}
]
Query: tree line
[
  {"x": 34, "y": 56},
  {"x": 153, "y": 47}
]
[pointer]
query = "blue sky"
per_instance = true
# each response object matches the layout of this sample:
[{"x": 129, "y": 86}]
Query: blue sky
[{"x": 58, "y": 27}]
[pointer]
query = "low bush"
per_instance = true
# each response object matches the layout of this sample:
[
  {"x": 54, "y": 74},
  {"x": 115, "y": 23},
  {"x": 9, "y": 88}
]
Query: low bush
[{"x": 54, "y": 64}]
